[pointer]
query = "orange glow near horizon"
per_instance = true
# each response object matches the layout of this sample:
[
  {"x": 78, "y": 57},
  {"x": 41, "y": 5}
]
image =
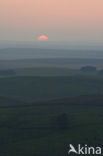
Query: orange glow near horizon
[{"x": 51, "y": 15}]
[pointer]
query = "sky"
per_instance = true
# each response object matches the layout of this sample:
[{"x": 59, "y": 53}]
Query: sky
[{"x": 61, "y": 20}]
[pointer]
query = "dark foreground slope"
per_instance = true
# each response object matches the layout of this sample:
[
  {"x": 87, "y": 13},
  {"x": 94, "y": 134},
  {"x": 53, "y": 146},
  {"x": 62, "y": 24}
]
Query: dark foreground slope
[{"x": 46, "y": 129}]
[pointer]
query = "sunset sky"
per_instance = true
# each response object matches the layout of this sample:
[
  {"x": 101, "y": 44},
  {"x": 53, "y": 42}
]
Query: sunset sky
[{"x": 60, "y": 20}]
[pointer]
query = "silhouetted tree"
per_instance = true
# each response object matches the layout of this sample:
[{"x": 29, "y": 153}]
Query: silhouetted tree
[
  {"x": 101, "y": 72},
  {"x": 88, "y": 69},
  {"x": 62, "y": 121}
]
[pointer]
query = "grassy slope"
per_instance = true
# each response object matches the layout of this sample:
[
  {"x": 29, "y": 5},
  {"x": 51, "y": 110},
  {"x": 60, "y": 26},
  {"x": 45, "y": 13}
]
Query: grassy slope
[{"x": 28, "y": 130}]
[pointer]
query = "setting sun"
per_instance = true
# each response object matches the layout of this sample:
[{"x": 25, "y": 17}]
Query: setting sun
[{"x": 42, "y": 38}]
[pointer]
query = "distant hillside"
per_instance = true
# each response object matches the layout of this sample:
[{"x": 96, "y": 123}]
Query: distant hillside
[
  {"x": 73, "y": 63},
  {"x": 81, "y": 100},
  {"x": 25, "y": 53},
  {"x": 90, "y": 100}
]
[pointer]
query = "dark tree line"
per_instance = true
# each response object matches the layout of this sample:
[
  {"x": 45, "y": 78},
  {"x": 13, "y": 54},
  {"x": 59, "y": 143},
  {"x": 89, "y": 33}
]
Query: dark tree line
[{"x": 7, "y": 72}]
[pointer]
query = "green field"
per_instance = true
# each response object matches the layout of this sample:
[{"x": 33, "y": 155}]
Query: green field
[
  {"x": 42, "y": 88},
  {"x": 43, "y": 111},
  {"x": 37, "y": 129}
]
